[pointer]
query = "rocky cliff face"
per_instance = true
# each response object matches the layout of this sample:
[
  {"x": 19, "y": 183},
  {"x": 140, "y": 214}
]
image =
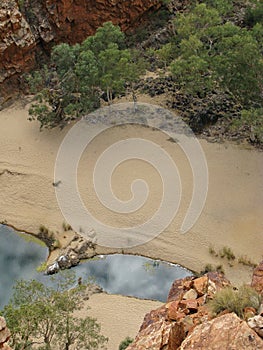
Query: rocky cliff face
[
  {"x": 30, "y": 25},
  {"x": 185, "y": 322}
]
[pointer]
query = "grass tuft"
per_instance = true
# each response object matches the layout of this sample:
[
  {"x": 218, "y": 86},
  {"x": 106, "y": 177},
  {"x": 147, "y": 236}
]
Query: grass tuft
[{"x": 235, "y": 300}]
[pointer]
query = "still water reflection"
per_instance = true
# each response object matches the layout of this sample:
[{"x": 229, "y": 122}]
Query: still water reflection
[
  {"x": 133, "y": 275},
  {"x": 116, "y": 274}
]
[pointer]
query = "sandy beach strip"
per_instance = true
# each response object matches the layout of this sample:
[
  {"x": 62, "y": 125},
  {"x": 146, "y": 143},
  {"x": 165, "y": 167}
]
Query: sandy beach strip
[{"x": 232, "y": 215}]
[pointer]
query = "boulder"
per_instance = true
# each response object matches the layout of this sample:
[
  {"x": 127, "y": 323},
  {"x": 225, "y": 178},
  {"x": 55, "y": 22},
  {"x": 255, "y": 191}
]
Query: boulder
[
  {"x": 257, "y": 278},
  {"x": 256, "y": 323},
  {"x": 155, "y": 337},
  {"x": 224, "y": 332},
  {"x": 179, "y": 287}
]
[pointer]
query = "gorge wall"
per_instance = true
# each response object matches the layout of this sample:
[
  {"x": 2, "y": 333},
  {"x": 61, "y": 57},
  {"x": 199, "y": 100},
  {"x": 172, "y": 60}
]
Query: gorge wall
[{"x": 28, "y": 27}]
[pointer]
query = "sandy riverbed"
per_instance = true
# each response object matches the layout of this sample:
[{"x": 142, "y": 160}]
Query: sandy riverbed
[
  {"x": 118, "y": 316},
  {"x": 232, "y": 215}
]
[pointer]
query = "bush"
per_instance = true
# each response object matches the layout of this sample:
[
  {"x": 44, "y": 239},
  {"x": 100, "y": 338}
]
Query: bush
[
  {"x": 125, "y": 343},
  {"x": 212, "y": 268},
  {"x": 228, "y": 253},
  {"x": 235, "y": 300}
]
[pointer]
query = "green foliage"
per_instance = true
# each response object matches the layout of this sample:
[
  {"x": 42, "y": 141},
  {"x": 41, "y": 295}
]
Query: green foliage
[
  {"x": 78, "y": 74},
  {"x": 43, "y": 317},
  {"x": 253, "y": 119},
  {"x": 254, "y": 14},
  {"x": 210, "y": 54},
  {"x": 125, "y": 343},
  {"x": 235, "y": 300},
  {"x": 224, "y": 7}
]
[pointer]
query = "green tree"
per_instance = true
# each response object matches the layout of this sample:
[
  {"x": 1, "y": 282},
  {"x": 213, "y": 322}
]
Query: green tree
[
  {"x": 79, "y": 74},
  {"x": 213, "y": 55},
  {"x": 43, "y": 317}
]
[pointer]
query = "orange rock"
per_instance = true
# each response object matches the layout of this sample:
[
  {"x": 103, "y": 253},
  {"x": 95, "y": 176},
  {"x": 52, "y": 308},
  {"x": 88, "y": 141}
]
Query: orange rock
[
  {"x": 190, "y": 304},
  {"x": 200, "y": 285},
  {"x": 224, "y": 332},
  {"x": 176, "y": 336}
]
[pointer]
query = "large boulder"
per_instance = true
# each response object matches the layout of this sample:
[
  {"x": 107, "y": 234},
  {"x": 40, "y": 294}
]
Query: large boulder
[{"x": 224, "y": 332}]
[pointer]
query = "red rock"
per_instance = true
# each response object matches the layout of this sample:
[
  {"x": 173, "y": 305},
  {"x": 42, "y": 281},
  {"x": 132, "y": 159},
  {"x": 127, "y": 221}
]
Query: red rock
[
  {"x": 200, "y": 285},
  {"x": 154, "y": 316},
  {"x": 190, "y": 304},
  {"x": 224, "y": 332},
  {"x": 249, "y": 312},
  {"x": 201, "y": 301},
  {"x": 155, "y": 337},
  {"x": 179, "y": 287},
  {"x": 55, "y": 22},
  {"x": 176, "y": 336},
  {"x": 257, "y": 278}
]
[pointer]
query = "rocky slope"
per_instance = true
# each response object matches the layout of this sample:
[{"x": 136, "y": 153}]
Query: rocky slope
[
  {"x": 31, "y": 26},
  {"x": 185, "y": 322}
]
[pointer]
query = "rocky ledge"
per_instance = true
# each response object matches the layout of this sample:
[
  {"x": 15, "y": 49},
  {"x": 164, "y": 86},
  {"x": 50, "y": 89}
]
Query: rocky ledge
[{"x": 186, "y": 322}]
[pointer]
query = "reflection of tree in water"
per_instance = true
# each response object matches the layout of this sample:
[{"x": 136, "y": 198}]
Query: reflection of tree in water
[{"x": 151, "y": 266}]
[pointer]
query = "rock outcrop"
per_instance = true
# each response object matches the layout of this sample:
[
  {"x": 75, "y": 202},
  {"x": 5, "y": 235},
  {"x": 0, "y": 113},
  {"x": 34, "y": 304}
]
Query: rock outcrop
[
  {"x": 78, "y": 249},
  {"x": 185, "y": 322},
  {"x": 31, "y": 26},
  {"x": 17, "y": 44},
  {"x": 224, "y": 332},
  {"x": 185, "y": 308},
  {"x": 4, "y": 335}
]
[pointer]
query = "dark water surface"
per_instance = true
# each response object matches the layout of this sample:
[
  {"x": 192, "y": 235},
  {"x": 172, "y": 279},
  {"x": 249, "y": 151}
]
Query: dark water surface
[{"x": 116, "y": 274}]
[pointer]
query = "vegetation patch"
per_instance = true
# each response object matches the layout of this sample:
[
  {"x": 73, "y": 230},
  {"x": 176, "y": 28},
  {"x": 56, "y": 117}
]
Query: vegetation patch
[{"x": 235, "y": 300}]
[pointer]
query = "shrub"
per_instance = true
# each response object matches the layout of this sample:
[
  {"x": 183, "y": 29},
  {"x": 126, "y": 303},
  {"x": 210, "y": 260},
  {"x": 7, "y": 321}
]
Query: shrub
[
  {"x": 212, "y": 268},
  {"x": 212, "y": 251},
  {"x": 125, "y": 343},
  {"x": 66, "y": 226},
  {"x": 228, "y": 253},
  {"x": 235, "y": 300},
  {"x": 43, "y": 229}
]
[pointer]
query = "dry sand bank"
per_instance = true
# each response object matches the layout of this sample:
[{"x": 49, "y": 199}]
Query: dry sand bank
[
  {"x": 231, "y": 217},
  {"x": 118, "y": 316}
]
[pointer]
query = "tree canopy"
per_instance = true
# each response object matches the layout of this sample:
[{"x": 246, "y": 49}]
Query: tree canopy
[
  {"x": 78, "y": 75},
  {"x": 212, "y": 54},
  {"x": 42, "y": 317}
]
